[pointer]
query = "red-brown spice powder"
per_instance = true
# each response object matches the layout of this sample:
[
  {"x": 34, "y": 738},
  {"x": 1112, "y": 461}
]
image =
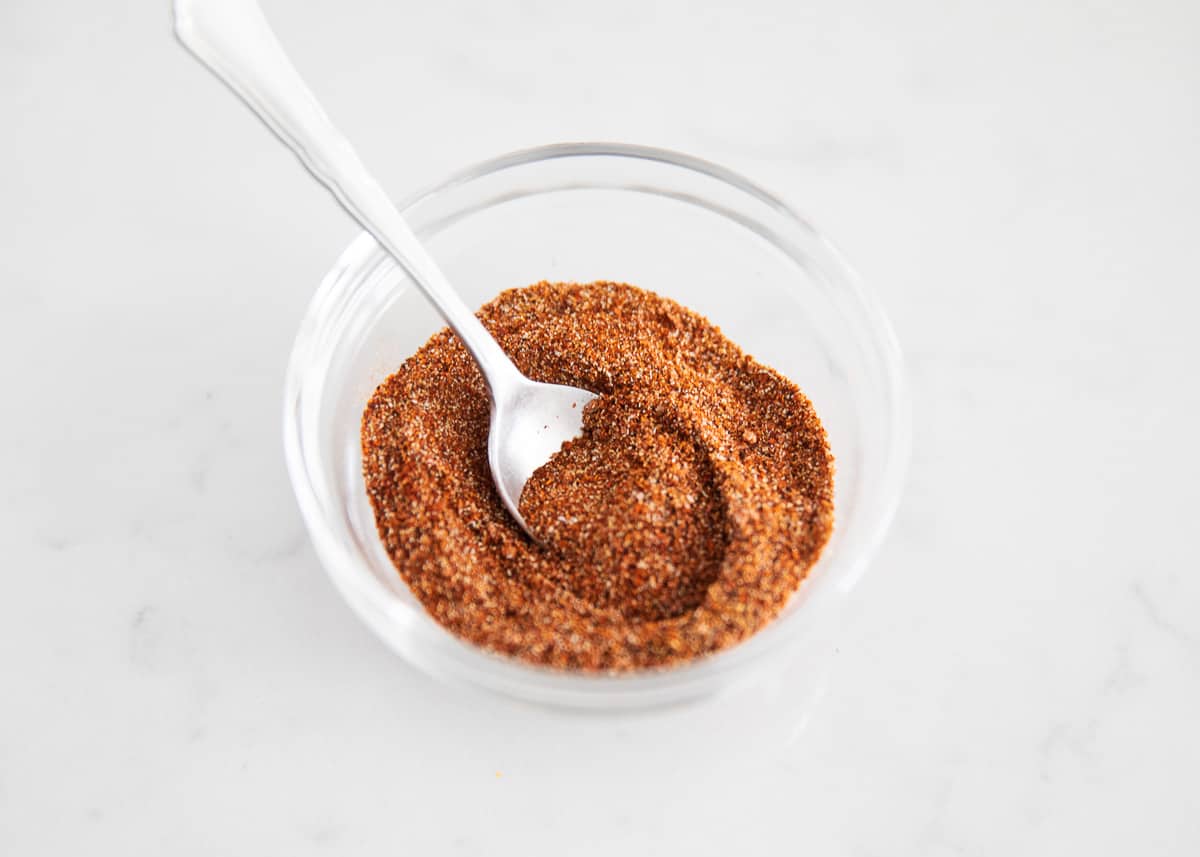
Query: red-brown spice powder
[{"x": 680, "y": 522}]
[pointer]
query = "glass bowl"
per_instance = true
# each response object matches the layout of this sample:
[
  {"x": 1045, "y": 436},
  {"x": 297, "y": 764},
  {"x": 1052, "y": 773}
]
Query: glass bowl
[{"x": 676, "y": 225}]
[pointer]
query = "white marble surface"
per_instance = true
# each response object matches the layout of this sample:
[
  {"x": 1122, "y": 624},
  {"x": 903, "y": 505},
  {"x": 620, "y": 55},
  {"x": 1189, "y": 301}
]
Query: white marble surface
[{"x": 1021, "y": 672}]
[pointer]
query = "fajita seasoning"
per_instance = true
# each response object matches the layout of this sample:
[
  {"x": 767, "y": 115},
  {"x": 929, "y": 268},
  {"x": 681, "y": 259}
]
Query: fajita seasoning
[{"x": 681, "y": 521}]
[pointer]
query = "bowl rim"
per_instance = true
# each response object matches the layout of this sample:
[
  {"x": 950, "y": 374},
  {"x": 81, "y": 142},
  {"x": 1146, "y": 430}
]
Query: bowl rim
[{"x": 363, "y": 592}]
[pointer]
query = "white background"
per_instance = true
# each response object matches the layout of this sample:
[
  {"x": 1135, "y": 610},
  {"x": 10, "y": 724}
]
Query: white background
[{"x": 1020, "y": 182}]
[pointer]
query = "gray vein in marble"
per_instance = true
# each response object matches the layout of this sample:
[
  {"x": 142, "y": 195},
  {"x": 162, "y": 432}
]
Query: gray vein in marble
[
  {"x": 1065, "y": 739},
  {"x": 159, "y": 646},
  {"x": 326, "y": 835},
  {"x": 1154, "y": 615},
  {"x": 58, "y": 542},
  {"x": 1122, "y": 677},
  {"x": 198, "y": 477}
]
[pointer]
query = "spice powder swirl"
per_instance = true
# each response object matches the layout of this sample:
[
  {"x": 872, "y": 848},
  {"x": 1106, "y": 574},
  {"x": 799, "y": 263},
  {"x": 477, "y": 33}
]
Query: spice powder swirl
[{"x": 680, "y": 522}]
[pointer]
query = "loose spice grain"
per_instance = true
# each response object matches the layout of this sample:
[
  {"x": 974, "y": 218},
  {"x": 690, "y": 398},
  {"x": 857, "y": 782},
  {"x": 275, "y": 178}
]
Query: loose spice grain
[{"x": 679, "y": 523}]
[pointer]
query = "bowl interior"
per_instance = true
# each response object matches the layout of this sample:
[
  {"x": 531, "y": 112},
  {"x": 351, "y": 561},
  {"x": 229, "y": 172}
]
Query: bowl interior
[{"x": 712, "y": 244}]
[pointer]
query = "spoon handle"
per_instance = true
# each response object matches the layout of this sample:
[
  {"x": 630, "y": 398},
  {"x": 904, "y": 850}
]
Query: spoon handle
[{"x": 233, "y": 39}]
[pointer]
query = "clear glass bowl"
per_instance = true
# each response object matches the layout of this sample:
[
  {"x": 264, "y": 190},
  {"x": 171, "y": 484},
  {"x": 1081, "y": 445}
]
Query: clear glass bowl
[{"x": 677, "y": 225}]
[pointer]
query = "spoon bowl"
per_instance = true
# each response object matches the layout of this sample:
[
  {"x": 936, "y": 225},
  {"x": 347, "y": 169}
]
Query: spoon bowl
[{"x": 530, "y": 422}]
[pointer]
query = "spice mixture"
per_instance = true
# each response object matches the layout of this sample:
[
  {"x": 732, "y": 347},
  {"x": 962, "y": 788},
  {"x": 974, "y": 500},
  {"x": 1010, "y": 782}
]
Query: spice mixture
[{"x": 680, "y": 522}]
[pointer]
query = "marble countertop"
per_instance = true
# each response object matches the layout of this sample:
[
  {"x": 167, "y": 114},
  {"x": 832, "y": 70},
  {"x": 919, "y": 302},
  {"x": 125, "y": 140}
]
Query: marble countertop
[{"x": 1020, "y": 670}]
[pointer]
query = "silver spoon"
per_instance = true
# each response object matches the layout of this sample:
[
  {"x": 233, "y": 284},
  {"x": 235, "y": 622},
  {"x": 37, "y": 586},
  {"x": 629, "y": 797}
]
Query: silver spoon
[{"x": 530, "y": 420}]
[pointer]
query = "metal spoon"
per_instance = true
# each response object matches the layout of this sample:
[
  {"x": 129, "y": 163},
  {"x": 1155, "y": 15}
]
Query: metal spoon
[{"x": 530, "y": 420}]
